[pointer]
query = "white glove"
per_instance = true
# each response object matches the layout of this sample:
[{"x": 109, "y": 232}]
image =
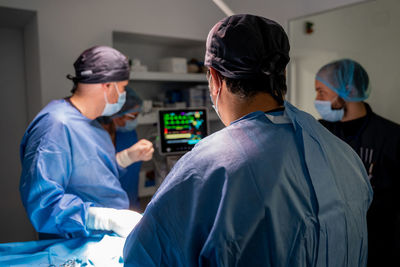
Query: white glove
[
  {"x": 120, "y": 222},
  {"x": 141, "y": 151}
]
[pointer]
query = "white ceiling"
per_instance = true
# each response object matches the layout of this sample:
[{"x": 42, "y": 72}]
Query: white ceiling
[{"x": 285, "y": 10}]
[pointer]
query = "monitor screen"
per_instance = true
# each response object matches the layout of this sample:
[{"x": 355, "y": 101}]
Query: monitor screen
[{"x": 181, "y": 129}]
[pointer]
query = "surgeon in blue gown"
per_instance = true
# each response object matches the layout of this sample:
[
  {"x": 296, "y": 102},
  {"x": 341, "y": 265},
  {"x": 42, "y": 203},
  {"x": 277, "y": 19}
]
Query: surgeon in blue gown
[
  {"x": 273, "y": 188},
  {"x": 70, "y": 172},
  {"x": 122, "y": 129}
]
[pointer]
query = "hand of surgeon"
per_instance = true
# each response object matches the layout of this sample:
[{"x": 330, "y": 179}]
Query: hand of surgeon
[
  {"x": 141, "y": 151},
  {"x": 120, "y": 222}
]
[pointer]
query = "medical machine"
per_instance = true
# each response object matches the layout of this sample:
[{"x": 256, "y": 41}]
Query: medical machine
[{"x": 181, "y": 129}]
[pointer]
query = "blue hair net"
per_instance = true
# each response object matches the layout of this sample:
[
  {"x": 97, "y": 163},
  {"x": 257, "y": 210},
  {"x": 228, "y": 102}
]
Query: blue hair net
[{"x": 347, "y": 78}]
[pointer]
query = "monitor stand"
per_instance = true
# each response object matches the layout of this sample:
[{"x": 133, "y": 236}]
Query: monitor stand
[{"x": 171, "y": 160}]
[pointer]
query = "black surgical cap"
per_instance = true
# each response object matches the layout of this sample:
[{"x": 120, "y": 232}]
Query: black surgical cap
[
  {"x": 247, "y": 47},
  {"x": 100, "y": 64}
]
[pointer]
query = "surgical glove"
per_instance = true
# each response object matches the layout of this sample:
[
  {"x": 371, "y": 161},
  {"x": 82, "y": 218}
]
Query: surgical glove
[
  {"x": 120, "y": 222},
  {"x": 141, "y": 151}
]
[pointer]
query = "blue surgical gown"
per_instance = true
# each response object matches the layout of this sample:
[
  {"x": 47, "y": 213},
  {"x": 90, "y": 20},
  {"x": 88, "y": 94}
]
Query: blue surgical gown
[
  {"x": 268, "y": 190},
  {"x": 68, "y": 164},
  {"x": 130, "y": 178}
]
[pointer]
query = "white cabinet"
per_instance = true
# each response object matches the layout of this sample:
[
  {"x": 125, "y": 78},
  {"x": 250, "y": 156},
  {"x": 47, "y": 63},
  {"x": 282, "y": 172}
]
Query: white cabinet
[
  {"x": 168, "y": 77},
  {"x": 153, "y": 85},
  {"x": 165, "y": 77}
]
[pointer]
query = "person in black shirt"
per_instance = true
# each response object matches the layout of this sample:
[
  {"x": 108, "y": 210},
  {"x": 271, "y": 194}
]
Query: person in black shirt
[{"x": 341, "y": 88}]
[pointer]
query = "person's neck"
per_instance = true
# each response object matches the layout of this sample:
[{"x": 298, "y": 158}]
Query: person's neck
[
  {"x": 86, "y": 105},
  {"x": 237, "y": 107},
  {"x": 111, "y": 129},
  {"x": 354, "y": 110}
]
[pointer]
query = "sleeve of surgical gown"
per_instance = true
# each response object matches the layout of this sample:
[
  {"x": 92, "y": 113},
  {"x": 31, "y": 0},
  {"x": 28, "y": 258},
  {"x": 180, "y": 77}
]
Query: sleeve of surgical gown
[
  {"x": 154, "y": 242},
  {"x": 164, "y": 236},
  {"x": 46, "y": 163},
  {"x": 185, "y": 225}
]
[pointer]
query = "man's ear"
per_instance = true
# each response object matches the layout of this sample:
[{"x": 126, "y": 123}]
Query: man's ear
[
  {"x": 106, "y": 87},
  {"x": 216, "y": 81},
  {"x": 339, "y": 103}
]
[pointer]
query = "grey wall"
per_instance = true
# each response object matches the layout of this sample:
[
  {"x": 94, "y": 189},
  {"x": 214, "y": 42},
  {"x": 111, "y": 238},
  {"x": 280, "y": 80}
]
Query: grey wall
[
  {"x": 368, "y": 33},
  {"x": 14, "y": 225},
  {"x": 66, "y": 28},
  {"x": 284, "y": 10},
  {"x": 32, "y": 68}
]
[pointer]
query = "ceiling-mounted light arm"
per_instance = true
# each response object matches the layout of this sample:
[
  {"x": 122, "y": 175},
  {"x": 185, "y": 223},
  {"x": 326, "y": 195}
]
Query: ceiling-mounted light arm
[{"x": 224, "y": 7}]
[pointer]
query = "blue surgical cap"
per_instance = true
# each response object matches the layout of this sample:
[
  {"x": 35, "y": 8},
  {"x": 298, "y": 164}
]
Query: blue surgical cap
[{"x": 347, "y": 78}]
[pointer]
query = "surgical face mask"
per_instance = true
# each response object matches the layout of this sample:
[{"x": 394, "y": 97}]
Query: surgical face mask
[
  {"x": 111, "y": 109},
  {"x": 130, "y": 125},
  {"x": 215, "y": 107},
  {"x": 324, "y": 108}
]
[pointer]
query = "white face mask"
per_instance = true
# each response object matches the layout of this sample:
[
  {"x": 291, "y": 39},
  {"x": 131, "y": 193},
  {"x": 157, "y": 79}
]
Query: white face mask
[
  {"x": 324, "y": 108},
  {"x": 215, "y": 107},
  {"x": 111, "y": 109}
]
